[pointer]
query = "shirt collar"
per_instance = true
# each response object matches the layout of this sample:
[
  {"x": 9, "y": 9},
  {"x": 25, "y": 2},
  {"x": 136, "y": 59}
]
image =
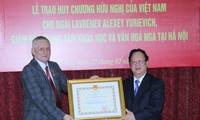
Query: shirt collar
[
  {"x": 42, "y": 65},
  {"x": 140, "y": 79}
]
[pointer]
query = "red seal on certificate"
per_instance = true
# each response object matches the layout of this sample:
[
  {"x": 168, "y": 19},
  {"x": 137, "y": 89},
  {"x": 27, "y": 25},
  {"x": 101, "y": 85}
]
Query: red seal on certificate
[{"x": 95, "y": 87}]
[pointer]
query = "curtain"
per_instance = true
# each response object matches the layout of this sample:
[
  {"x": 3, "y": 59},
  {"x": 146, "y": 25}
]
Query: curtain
[{"x": 182, "y": 91}]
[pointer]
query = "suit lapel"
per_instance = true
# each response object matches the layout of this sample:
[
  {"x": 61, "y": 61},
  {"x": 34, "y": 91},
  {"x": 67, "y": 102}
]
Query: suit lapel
[
  {"x": 131, "y": 88},
  {"x": 39, "y": 68},
  {"x": 129, "y": 92}
]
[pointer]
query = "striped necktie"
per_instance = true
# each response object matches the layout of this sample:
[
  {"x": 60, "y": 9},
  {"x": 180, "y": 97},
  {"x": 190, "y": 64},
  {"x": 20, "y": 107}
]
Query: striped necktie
[
  {"x": 136, "y": 87},
  {"x": 58, "y": 101}
]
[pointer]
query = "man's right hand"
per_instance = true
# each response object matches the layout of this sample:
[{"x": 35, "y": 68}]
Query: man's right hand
[
  {"x": 67, "y": 117},
  {"x": 129, "y": 116}
]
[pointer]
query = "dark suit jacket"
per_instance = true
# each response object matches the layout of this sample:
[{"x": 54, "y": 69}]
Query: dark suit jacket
[
  {"x": 39, "y": 98},
  {"x": 149, "y": 101}
]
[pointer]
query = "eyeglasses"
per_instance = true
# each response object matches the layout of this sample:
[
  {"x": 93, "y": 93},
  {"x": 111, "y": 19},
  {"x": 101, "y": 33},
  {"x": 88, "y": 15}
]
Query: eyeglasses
[{"x": 139, "y": 62}]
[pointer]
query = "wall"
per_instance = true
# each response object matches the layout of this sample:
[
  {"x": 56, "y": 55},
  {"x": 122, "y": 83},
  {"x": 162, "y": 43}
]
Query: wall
[{"x": 182, "y": 86}]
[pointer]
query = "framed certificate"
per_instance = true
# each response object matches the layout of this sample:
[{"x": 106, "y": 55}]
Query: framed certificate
[{"x": 96, "y": 99}]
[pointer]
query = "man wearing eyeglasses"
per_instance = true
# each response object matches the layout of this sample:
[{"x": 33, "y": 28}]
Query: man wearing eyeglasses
[{"x": 144, "y": 93}]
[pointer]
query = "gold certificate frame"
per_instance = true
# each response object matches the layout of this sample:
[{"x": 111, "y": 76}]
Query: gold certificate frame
[{"x": 96, "y": 99}]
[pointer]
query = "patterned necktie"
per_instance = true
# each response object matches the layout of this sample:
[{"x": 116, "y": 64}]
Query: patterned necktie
[
  {"x": 58, "y": 101},
  {"x": 136, "y": 87}
]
